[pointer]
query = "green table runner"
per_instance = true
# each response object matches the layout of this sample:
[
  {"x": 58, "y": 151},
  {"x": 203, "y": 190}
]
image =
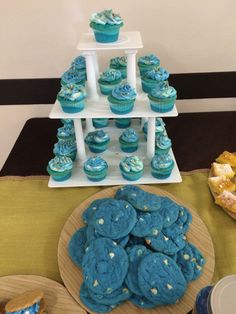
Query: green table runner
[{"x": 32, "y": 217}]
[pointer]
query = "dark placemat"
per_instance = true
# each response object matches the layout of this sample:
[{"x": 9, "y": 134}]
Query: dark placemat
[{"x": 197, "y": 139}]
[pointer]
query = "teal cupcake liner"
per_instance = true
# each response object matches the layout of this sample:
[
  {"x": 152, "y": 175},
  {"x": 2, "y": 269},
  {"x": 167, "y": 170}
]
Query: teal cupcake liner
[
  {"x": 69, "y": 137},
  {"x": 98, "y": 148},
  {"x": 105, "y": 33},
  {"x": 162, "y": 173},
  {"x": 131, "y": 176},
  {"x": 96, "y": 175},
  {"x": 123, "y": 123},
  {"x": 120, "y": 106},
  {"x": 143, "y": 69},
  {"x": 162, "y": 151},
  {"x": 123, "y": 70},
  {"x": 162, "y": 106},
  {"x": 148, "y": 85},
  {"x": 101, "y": 123},
  {"x": 128, "y": 147},
  {"x": 59, "y": 176},
  {"x": 69, "y": 106},
  {"x": 106, "y": 89}
]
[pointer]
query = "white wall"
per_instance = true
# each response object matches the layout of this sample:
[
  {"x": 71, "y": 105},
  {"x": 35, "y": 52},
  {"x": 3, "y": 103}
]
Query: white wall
[{"x": 38, "y": 38}]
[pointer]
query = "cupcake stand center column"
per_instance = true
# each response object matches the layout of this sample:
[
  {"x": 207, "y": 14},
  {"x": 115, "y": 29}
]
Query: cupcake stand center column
[
  {"x": 79, "y": 139},
  {"x": 131, "y": 67},
  {"x": 151, "y": 138}
]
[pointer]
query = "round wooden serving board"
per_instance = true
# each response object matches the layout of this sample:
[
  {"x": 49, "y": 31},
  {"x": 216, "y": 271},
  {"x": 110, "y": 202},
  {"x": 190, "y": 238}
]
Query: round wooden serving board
[
  {"x": 57, "y": 298},
  {"x": 198, "y": 234}
]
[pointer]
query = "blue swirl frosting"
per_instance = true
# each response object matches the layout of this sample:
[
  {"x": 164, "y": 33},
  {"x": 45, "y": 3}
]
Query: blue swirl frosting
[
  {"x": 163, "y": 141},
  {"x": 129, "y": 136},
  {"x": 131, "y": 164},
  {"x": 162, "y": 161},
  {"x": 124, "y": 92},
  {"x": 97, "y": 137},
  {"x": 72, "y": 92},
  {"x": 66, "y": 130},
  {"x": 79, "y": 63},
  {"x": 73, "y": 76},
  {"x": 106, "y": 17},
  {"x": 150, "y": 59},
  {"x": 110, "y": 75},
  {"x": 60, "y": 164},
  {"x": 33, "y": 309},
  {"x": 67, "y": 121},
  {"x": 64, "y": 147},
  {"x": 119, "y": 61},
  {"x": 158, "y": 74},
  {"x": 163, "y": 92},
  {"x": 95, "y": 164}
]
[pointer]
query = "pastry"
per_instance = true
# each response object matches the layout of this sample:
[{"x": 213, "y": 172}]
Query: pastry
[
  {"x": 227, "y": 200},
  {"x": 119, "y": 63},
  {"x": 162, "y": 166},
  {"x": 162, "y": 99},
  {"x": 96, "y": 168},
  {"x": 129, "y": 140},
  {"x": 122, "y": 123},
  {"x": 100, "y": 122},
  {"x": 60, "y": 168},
  {"x": 221, "y": 183},
  {"x": 227, "y": 158},
  {"x": 97, "y": 141},
  {"x": 131, "y": 168},
  {"x": 108, "y": 80},
  {"x": 106, "y": 26},
  {"x": 162, "y": 144},
  {"x": 77, "y": 246},
  {"x": 122, "y": 99},
  {"x": 72, "y": 98},
  {"x": 155, "y": 78},
  {"x": 148, "y": 63},
  {"x": 222, "y": 170},
  {"x": 66, "y": 148}
]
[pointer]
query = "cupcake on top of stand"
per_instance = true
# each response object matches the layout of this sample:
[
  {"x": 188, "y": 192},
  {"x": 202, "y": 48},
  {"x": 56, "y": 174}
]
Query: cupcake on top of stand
[
  {"x": 106, "y": 26},
  {"x": 148, "y": 63},
  {"x": 108, "y": 80},
  {"x": 162, "y": 99},
  {"x": 119, "y": 63},
  {"x": 122, "y": 99},
  {"x": 71, "y": 98},
  {"x": 154, "y": 79}
]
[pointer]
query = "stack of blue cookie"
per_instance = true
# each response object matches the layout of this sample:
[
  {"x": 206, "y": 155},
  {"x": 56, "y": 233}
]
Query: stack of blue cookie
[{"x": 134, "y": 247}]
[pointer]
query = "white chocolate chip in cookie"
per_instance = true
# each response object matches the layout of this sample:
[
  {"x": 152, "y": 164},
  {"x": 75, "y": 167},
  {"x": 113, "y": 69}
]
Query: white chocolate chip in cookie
[
  {"x": 125, "y": 290},
  {"x": 154, "y": 291},
  {"x": 139, "y": 252},
  {"x": 148, "y": 242},
  {"x": 111, "y": 255},
  {"x": 100, "y": 221},
  {"x": 155, "y": 231},
  {"x": 165, "y": 261},
  {"x": 145, "y": 207},
  {"x": 95, "y": 283},
  {"x": 169, "y": 286},
  {"x": 166, "y": 238},
  {"x": 186, "y": 257}
]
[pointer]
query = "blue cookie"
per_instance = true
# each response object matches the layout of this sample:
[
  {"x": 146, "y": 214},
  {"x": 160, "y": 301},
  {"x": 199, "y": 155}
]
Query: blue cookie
[
  {"x": 77, "y": 245},
  {"x": 181, "y": 225},
  {"x": 161, "y": 279},
  {"x": 89, "y": 211},
  {"x": 117, "y": 296},
  {"x": 105, "y": 265},
  {"x": 138, "y": 198},
  {"x": 169, "y": 211},
  {"x": 198, "y": 261},
  {"x": 148, "y": 224},
  {"x": 135, "y": 255},
  {"x": 184, "y": 261},
  {"x": 114, "y": 219},
  {"x": 92, "y": 304},
  {"x": 142, "y": 302},
  {"x": 166, "y": 245}
]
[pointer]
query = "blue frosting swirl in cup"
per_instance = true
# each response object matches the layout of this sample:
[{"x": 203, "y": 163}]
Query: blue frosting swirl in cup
[
  {"x": 163, "y": 92},
  {"x": 129, "y": 136},
  {"x": 150, "y": 59},
  {"x": 60, "y": 164},
  {"x": 132, "y": 164},
  {"x": 79, "y": 63},
  {"x": 73, "y": 76},
  {"x": 106, "y": 17},
  {"x": 67, "y": 121},
  {"x": 110, "y": 75},
  {"x": 64, "y": 147},
  {"x": 159, "y": 74},
  {"x": 95, "y": 164},
  {"x": 66, "y": 130},
  {"x": 98, "y": 137},
  {"x": 162, "y": 161},
  {"x": 163, "y": 141},
  {"x": 72, "y": 92},
  {"x": 119, "y": 61},
  {"x": 124, "y": 92}
]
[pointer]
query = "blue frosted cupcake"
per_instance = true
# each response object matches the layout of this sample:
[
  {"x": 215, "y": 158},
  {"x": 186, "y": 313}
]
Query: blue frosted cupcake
[
  {"x": 109, "y": 80},
  {"x": 129, "y": 141},
  {"x": 60, "y": 168},
  {"x": 79, "y": 64},
  {"x": 66, "y": 132},
  {"x": 162, "y": 166},
  {"x": 122, "y": 99},
  {"x": 163, "y": 99},
  {"x": 73, "y": 76},
  {"x": 122, "y": 123},
  {"x": 65, "y": 148},
  {"x": 67, "y": 121},
  {"x": 96, "y": 168},
  {"x": 160, "y": 127},
  {"x": 97, "y": 141},
  {"x": 119, "y": 63},
  {"x": 100, "y": 122},
  {"x": 131, "y": 168},
  {"x": 72, "y": 98},
  {"x": 154, "y": 79},
  {"x": 106, "y": 26},
  {"x": 163, "y": 144},
  {"x": 148, "y": 63}
]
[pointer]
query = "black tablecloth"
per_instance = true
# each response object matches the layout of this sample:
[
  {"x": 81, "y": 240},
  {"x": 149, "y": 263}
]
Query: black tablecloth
[{"x": 197, "y": 139}]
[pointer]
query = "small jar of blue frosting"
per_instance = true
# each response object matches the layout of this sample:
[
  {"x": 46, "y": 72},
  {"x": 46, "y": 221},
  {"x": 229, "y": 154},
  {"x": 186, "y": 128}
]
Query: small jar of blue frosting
[
  {"x": 129, "y": 141},
  {"x": 154, "y": 79},
  {"x": 122, "y": 99}
]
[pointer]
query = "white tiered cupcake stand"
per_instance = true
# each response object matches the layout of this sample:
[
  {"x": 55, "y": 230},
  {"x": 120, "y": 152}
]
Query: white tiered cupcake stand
[{"x": 97, "y": 106}]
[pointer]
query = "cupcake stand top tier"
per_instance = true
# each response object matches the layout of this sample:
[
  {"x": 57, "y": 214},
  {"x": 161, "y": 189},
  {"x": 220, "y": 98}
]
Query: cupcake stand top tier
[{"x": 97, "y": 106}]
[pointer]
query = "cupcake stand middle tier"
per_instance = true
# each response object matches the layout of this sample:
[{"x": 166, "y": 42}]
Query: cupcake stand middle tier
[{"x": 97, "y": 106}]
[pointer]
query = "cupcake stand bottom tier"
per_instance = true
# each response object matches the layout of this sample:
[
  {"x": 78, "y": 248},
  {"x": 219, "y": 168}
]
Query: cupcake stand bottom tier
[{"x": 113, "y": 156}]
